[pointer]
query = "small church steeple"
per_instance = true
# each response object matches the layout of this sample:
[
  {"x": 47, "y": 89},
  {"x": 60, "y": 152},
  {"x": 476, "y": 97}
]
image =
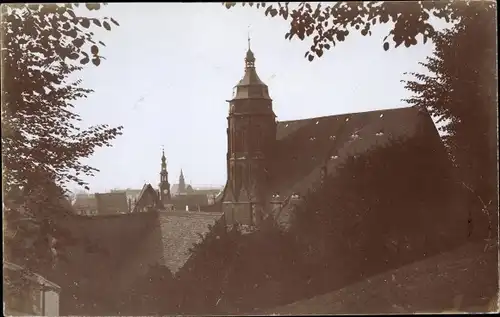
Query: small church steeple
[{"x": 164, "y": 184}]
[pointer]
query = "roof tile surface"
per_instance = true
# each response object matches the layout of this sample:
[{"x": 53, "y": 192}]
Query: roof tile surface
[{"x": 305, "y": 146}]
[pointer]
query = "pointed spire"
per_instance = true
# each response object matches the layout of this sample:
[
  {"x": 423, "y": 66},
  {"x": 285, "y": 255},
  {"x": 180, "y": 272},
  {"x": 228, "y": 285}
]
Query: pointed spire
[
  {"x": 182, "y": 183},
  {"x": 163, "y": 159}
]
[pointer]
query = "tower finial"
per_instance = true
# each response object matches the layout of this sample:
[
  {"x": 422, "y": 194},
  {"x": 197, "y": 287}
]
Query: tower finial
[
  {"x": 163, "y": 159},
  {"x": 250, "y": 58},
  {"x": 249, "y": 37}
]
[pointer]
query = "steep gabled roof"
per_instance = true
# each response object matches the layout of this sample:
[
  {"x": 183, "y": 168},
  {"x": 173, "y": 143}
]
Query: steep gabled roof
[
  {"x": 147, "y": 190},
  {"x": 111, "y": 203},
  {"x": 303, "y": 147}
]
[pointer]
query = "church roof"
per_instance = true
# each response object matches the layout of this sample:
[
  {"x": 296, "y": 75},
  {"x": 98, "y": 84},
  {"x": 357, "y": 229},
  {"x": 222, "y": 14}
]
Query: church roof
[
  {"x": 111, "y": 203},
  {"x": 304, "y": 147}
]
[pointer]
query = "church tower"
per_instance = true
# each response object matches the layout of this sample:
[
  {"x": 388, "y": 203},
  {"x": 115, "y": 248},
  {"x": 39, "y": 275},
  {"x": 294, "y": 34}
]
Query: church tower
[
  {"x": 250, "y": 134},
  {"x": 164, "y": 185}
]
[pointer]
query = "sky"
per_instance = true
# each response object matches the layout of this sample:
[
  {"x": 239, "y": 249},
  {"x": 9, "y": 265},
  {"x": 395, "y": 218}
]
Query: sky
[{"x": 170, "y": 67}]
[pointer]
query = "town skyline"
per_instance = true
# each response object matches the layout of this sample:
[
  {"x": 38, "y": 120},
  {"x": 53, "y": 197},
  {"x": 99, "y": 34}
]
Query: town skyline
[{"x": 154, "y": 87}]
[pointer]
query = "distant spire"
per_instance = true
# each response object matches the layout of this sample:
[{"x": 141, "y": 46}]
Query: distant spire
[{"x": 182, "y": 183}]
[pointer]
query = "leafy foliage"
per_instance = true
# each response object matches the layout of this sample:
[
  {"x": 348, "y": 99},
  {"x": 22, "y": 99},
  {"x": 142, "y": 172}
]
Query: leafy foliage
[
  {"x": 234, "y": 272},
  {"x": 379, "y": 211},
  {"x": 332, "y": 24},
  {"x": 42, "y": 143},
  {"x": 346, "y": 225},
  {"x": 462, "y": 88},
  {"x": 148, "y": 295}
]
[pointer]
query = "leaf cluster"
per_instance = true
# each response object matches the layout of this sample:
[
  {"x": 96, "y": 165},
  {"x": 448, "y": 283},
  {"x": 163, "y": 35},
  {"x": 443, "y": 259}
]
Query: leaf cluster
[
  {"x": 460, "y": 87},
  {"x": 329, "y": 25},
  {"x": 43, "y": 142}
]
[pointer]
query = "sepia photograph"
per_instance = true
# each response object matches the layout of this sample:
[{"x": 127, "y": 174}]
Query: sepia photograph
[{"x": 249, "y": 158}]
